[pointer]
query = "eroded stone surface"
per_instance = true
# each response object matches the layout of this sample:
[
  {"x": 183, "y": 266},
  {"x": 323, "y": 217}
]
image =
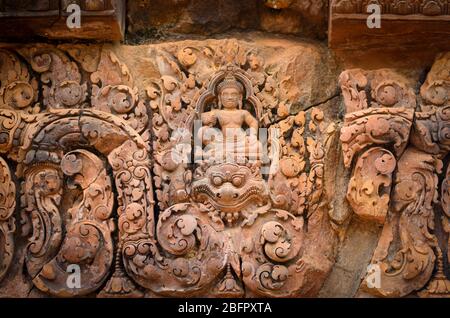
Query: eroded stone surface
[{"x": 207, "y": 17}]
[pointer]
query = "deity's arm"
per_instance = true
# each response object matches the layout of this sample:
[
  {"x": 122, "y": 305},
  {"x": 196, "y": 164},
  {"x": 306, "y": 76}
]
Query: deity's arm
[
  {"x": 206, "y": 132},
  {"x": 209, "y": 118},
  {"x": 251, "y": 122}
]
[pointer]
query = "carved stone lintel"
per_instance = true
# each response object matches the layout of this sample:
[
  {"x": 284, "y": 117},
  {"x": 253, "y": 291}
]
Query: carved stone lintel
[
  {"x": 100, "y": 19},
  {"x": 238, "y": 212},
  {"x": 403, "y": 23}
]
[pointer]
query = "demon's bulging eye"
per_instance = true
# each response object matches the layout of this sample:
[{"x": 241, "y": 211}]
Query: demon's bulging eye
[
  {"x": 217, "y": 181},
  {"x": 237, "y": 181}
]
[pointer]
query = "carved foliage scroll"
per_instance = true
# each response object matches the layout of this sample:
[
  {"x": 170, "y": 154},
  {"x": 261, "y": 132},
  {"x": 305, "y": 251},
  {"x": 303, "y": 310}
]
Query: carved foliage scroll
[
  {"x": 408, "y": 249},
  {"x": 431, "y": 135},
  {"x": 87, "y": 242},
  {"x": 86, "y": 100},
  {"x": 62, "y": 81},
  {"x": 42, "y": 196},
  {"x": 411, "y": 265},
  {"x": 7, "y": 220},
  {"x": 387, "y": 122},
  {"x": 81, "y": 234},
  {"x": 74, "y": 75},
  {"x": 445, "y": 201},
  {"x": 66, "y": 194},
  {"x": 370, "y": 186},
  {"x": 18, "y": 89},
  {"x": 113, "y": 91}
]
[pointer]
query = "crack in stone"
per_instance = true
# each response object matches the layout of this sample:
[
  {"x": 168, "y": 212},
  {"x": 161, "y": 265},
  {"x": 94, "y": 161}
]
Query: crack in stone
[{"x": 336, "y": 94}]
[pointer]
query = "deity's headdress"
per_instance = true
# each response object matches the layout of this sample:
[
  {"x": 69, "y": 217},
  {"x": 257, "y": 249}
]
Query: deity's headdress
[{"x": 230, "y": 81}]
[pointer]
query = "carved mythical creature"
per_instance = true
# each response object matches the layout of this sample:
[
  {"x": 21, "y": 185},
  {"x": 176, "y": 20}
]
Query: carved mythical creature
[{"x": 230, "y": 189}]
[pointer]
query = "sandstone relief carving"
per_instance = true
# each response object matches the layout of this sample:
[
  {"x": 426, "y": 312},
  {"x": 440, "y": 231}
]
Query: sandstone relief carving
[
  {"x": 232, "y": 223},
  {"x": 7, "y": 225},
  {"x": 255, "y": 216},
  {"x": 412, "y": 141},
  {"x": 386, "y": 121},
  {"x": 215, "y": 176}
]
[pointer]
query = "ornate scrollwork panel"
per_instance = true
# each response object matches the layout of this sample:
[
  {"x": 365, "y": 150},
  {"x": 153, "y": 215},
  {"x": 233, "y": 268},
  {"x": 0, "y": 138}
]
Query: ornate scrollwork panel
[
  {"x": 212, "y": 180},
  {"x": 7, "y": 220},
  {"x": 408, "y": 251}
]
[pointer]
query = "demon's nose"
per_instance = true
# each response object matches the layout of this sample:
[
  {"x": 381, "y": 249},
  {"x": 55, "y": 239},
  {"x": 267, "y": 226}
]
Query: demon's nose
[{"x": 227, "y": 194}]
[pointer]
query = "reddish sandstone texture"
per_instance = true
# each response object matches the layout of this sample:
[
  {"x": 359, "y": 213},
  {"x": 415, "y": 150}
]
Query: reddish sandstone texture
[{"x": 222, "y": 163}]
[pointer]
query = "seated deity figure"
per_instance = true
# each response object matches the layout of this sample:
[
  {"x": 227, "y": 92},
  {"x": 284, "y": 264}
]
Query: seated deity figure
[{"x": 231, "y": 143}]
